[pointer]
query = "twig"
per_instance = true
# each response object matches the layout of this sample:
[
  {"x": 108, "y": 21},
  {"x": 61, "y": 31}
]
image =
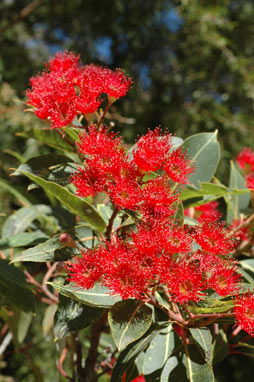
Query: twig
[
  {"x": 110, "y": 223},
  {"x": 60, "y": 362},
  {"x": 89, "y": 371},
  {"x": 22, "y": 14}
]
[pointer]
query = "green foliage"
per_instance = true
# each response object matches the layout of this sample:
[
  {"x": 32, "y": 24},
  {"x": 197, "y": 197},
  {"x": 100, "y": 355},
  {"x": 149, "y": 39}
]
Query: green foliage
[{"x": 128, "y": 321}]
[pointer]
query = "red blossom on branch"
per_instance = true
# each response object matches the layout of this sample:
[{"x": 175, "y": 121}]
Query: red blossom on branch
[
  {"x": 244, "y": 312},
  {"x": 214, "y": 238},
  {"x": 67, "y": 88},
  {"x": 245, "y": 160}
]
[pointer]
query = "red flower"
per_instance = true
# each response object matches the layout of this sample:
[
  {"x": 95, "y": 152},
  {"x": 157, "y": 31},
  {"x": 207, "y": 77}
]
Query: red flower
[
  {"x": 67, "y": 88},
  {"x": 250, "y": 181},
  {"x": 245, "y": 160},
  {"x": 184, "y": 281},
  {"x": 89, "y": 268},
  {"x": 222, "y": 276},
  {"x": 208, "y": 211},
  {"x": 125, "y": 193},
  {"x": 116, "y": 84},
  {"x": 178, "y": 167},
  {"x": 244, "y": 312},
  {"x": 151, "y": 150},
  {"x": 214, "y": 237},
  {"x": 158, "y": 199}
]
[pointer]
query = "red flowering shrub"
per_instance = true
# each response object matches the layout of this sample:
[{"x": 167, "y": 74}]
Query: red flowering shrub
[{"x": 161, "y": 279}]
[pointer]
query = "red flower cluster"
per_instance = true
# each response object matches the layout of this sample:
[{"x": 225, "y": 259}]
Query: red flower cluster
[
  {"x": 67, "y": 88},
  {"x": 109, "y": 168},
  {"x": 161, "y": 251},
  {"x": 244, "y": 312},
  {"x": 245, "y": 160},
  {"x": 205, "y": 211}
]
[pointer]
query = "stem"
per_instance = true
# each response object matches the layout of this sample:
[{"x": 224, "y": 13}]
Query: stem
[
  {"x": 78, "y": 360},
  {"x": 89, "y": 370},
  {"x": 104, "y": 113},
  {"x": 110, "y": 223}
]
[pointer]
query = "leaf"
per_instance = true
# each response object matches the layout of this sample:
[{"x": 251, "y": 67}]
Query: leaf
[
  {"x": 203, "y": 337},
  {"x": 52, "y": 167},
  {"x": 236, "y": 203},
  {"x": 25, "y": 320},
  {"x": 187, "y": 363},
  {"x": 154, "y": 359},
  {"x": 22, "y": 239},
  {"x": 48, "y": 136},
  {"x": 98, "y": 296},
  {"x": 214, "y": 306},
  {"x": 16, "y": 192},
  {"x": 129, "y": 320},
  {"x": 14, "y": 287},
  {"x": 127, "y": 357},
  {"x": 22, "y": 218},
  {"x": 77, "y": 205},
  {"x": 48, "y": 322},
  {"x": 220, "y": 347},
  {"x": 247, "y": 270},
  {"x": 210, "y": 189},
  {"x": 179, "y": 214},
  {"x": 73, "y": 316},
  {"x": 204, "y": 150},
  {"x": 53, "y": 250}
]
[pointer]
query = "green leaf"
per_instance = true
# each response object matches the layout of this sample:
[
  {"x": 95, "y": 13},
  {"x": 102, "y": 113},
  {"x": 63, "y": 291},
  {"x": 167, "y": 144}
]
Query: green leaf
[
  {"x": 129, "y": 320},
  {"x": 48, "y": 321},
  {"x": 77, "y": 205},
  {"x": 187, "y": 363},
  {"x": 52, "y": 167},
  {"x": 16, "y": 192},
  {"x": 127, "y": 357},
  {"x": 204, "y": 150},
  {"x": 25, "y": 320},
  {"x": 247, "y": 270},
  {"x": 210, "y": 189},
  {"x": 203, "y": 337},
  {"x": 214, "y": 306},
  {"x": 22, "y": 218},
  {"x": 220, "y": 347},
  {"x": 53, "y": 250},
  {"x": 179, "y": 214},
  {"x": 73, "y": 316},
  {"x": 49, "y": 137},
  {"x": 98, "y": 296},
  {"x": 236, "y": 203},
  {"x": 22, "y": 239},
  {"x": 157, "y": 354},
  {"x": 14, "y": 287}
]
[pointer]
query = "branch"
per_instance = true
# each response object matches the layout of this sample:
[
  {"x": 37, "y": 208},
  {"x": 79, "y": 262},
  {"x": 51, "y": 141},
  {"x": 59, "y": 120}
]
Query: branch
[
  {"x": 22, "y": 14},
  {"x": 89, "y": 370}
]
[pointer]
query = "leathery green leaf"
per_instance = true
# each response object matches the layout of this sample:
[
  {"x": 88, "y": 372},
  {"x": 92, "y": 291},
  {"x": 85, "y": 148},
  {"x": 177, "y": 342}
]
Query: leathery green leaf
[
  {"x": 76, "y": 204},
  {"x": 235, "y": 203},
  {"x": 48, "y": 136},
  {"x": 54, "y": 250},
  {"x": 14, "y": 287},
  {"x": 187, "y": 363},
  {"x": 154, "y": 359},
  {"x": 129, "y": 320},
  {"x": 204, "y": 150},
  {"x": 98, "y": 296},
  {"x": 73, "y": 316},
  {"x": 128, "y": 356}
]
